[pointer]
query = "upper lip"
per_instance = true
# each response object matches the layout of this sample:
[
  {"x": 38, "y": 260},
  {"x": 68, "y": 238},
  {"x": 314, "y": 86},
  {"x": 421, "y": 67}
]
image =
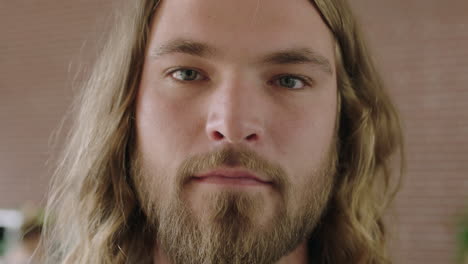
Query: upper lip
[{"x": 232, "y": 173}]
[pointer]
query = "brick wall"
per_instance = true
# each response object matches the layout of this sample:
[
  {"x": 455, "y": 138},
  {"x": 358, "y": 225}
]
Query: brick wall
[
  {"x": 41, "y": 45},
  {"x": 421, "y": 47}
]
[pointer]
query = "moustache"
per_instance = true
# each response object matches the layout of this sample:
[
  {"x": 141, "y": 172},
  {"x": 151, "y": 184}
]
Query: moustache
[{"x": 232, "y": 157}]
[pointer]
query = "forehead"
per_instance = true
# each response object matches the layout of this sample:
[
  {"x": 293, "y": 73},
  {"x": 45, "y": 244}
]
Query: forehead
[{"x": 241, "y": 28}]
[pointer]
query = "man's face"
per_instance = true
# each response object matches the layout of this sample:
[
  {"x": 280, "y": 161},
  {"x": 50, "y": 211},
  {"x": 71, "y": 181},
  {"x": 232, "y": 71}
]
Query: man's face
[{"x": 235, "y": 121}]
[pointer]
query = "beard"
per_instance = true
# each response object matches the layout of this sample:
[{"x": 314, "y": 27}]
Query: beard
[{"x": 233, "y": 227}]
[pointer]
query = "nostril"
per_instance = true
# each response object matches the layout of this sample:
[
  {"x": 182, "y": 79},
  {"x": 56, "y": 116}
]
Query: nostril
[
  {"x": 252, "y": 137},
  {"x": 217, "y": 135}
]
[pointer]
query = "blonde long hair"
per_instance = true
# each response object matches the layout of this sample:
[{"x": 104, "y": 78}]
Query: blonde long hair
[{"x": 93, "y": 215}]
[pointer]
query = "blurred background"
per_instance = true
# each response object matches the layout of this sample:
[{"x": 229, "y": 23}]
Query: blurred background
[{"x": 421, "y": 47}]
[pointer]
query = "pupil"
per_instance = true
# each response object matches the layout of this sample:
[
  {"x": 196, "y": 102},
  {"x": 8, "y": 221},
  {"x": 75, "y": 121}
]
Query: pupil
[
  {"x": 189, "y": 74},
  {"x": 288, "y": 81}
]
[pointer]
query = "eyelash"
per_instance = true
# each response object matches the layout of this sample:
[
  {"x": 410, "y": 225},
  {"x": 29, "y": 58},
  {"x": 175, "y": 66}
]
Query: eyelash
[
  {"x": 304, "y": 79},
  {"x": 172, "y": 71}
]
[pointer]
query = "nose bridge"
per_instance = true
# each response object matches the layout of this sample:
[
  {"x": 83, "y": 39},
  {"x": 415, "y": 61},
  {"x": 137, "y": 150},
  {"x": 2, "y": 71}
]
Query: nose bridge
[{"x": 234, "y": 113}]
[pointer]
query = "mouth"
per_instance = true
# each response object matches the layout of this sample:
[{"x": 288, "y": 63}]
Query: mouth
[{"x": 231, "y": 177}]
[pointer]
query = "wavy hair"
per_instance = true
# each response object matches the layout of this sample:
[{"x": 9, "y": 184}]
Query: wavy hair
[{"x": 93, "y": 214}]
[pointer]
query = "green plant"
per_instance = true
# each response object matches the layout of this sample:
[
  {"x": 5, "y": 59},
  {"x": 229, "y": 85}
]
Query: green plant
[
  {"x": 2, "y": 241},
  {"x": 463, "y": 240}
]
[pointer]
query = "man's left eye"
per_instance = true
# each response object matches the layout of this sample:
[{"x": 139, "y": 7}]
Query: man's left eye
[
  {"x": 187, "y": 75},
  {"x": 291, "y": 82}
]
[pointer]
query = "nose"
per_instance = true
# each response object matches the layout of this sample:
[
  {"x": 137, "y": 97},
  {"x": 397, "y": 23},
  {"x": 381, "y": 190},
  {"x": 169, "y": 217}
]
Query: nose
[{"x": 235, "y": 115}]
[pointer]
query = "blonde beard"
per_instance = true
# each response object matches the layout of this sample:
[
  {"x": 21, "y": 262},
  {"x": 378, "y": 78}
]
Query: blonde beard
[{"x": 228, "y": 230}]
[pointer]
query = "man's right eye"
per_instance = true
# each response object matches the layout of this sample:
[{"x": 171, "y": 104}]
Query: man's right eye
[{"x": 187, "y": 75}]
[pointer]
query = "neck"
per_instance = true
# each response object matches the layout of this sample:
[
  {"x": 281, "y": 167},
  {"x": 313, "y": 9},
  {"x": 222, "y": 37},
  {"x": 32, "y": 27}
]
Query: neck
[{"x": 297, "y": 256}]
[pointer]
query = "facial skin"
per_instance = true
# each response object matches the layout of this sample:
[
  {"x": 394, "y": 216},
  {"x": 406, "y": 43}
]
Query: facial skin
[{"x": 238, "y": 88}]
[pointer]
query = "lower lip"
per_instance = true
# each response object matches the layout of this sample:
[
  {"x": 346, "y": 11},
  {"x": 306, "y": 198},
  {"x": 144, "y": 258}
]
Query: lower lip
[{"x": 230, "y": 181}]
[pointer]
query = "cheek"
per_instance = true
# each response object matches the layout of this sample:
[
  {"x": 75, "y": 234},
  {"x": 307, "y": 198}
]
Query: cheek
[
  {"x": 155, "y": 110},
  {"x": 304, "y": 135},
  {"x": 156, "y": 121},
  {"x": 164, "y": 124}
]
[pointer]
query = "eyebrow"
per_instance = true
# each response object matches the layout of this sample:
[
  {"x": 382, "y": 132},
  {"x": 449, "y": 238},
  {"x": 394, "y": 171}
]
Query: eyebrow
[
  {"x": 283, "y": 57},
  {"x": 184, "y": 46},
  {"x": 299, "y": 56}
]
